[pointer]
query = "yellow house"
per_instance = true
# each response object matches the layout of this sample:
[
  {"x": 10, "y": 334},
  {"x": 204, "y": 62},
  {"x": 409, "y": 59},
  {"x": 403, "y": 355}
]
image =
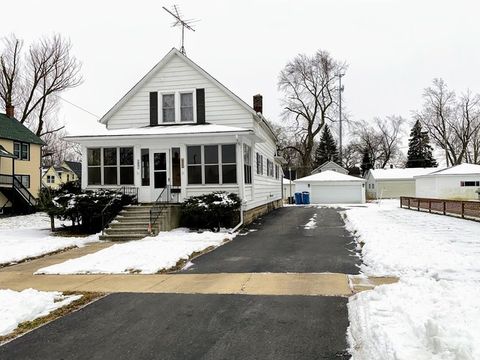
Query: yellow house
[
  {"x": 20, "y": 166},
  {"x": 54, "y": 176}
]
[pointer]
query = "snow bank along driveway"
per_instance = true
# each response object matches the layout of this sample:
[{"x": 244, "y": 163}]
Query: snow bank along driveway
[
  {"x": 28, "y": 236},
  {"x": 434, "y": 310},
  {"x": 20, "y": 306},
  {"x": 146, "y": 256}
]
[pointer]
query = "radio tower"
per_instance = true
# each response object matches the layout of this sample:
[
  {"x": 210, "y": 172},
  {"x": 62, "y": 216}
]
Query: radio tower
[{"x": 184, "y": 23}]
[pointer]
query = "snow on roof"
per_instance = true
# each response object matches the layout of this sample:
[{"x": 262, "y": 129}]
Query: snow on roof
[
  {"x": 462, "y": 169},
  {"x": 287, "y": 181},
  {"x": 165, "y": 130},
  {"x": 329, "y": 175},
  {"x": 400, "y": 174}
]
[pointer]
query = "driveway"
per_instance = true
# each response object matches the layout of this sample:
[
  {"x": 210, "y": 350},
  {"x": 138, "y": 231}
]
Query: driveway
[
  {"x": 169, "y": 326},
  {"x": 279, "y": 242},
  {"x": 213, "y": 326}
]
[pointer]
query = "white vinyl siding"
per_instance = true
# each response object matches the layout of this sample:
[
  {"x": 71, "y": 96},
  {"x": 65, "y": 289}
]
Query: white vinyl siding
[{"x": 177, "y": 76}]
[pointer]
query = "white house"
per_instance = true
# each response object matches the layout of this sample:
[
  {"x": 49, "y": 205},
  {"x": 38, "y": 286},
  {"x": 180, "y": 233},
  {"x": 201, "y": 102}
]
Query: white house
[
  {"x": 332, "y": 187},
  {"x": 332, "y": 166},
  {"x": 180, "y": 129},
  {"x": 460, "y": 182},
  {"x": 393, "y": 183}
]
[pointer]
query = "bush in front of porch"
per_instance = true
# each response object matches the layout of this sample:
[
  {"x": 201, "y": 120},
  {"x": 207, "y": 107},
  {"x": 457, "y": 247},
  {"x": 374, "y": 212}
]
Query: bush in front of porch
[{"x": 211, "y": 211}]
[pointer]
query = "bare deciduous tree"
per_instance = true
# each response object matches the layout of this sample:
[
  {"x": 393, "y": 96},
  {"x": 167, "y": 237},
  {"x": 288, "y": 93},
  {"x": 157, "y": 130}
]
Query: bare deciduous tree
[
  {"x": 451, "y": 123},
  {"x": 309, "y": 87},
  {"x": 32, "y": 81}
]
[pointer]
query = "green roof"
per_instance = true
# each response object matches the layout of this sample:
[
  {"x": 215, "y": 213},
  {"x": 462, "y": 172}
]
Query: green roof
[{"x": 12, "y": 129}]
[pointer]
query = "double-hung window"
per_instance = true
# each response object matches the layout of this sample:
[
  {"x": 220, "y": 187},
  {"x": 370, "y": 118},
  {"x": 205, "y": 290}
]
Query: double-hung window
[
  {"x": 168, "y": 108},
  {"x": 94, "y": 166},
  {"x": 126, "y": 166},
  {"x": 212, "y": 174},
  {"x": 24, "y": 179},
  {"x": 269, "y": 167},
  {"x": 186, "y": 107},
  {"x": 21, "y": 150},
  {"x": 229, "y": 166},
  {"x": 259, "y": 164},
  {"x": 247, "y": 163},
  {"x": 194, "y": 160},
  {"x": 110, "y": 166},
  {"x": 116, "y": 165}
]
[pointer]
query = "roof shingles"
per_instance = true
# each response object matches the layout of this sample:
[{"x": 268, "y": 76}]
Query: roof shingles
[{"x": 12, "y": 129}]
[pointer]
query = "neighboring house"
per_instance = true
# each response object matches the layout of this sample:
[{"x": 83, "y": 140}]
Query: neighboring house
[
  {"x": 54, "y": 176},
  {"x": 180, "y": 129},
  {"x": 460, "y": 182},
  {"x": 20, "y": 169},
  {"x": 393, "y": 183},
  {"x": 332, "y": 166},
  {"x": 332, "y": 187}
]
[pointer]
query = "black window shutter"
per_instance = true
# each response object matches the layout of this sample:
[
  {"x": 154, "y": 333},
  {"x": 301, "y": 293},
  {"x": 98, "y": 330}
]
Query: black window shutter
[
  {"x": 153, "y": 108},
  {"x": 201, "y": 106}
]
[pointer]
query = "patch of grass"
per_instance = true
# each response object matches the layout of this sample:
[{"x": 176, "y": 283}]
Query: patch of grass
[{"x": 22, "y": 328}]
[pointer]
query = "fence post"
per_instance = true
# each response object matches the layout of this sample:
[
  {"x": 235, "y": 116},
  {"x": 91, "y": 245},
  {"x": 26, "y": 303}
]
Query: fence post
[
  {"x": 401, "y": 198},
  {"x": 409, "y": 203},
  {"x": 463, "y": 209},
  {"x": 418, "y": 204},
  {"x": 444, "y": 208},
  {"x": 429, "y": 206}
]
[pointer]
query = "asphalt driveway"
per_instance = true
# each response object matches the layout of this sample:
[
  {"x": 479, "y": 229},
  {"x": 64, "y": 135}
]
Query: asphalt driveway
[
  {"x": 168, "y": 326},
  {"x": 279, "y": 242}
]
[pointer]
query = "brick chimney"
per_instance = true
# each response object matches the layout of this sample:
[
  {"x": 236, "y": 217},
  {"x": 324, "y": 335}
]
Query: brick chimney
[
  {"x": 10, "y": 111},
  {"x": 258, "y": 103}
]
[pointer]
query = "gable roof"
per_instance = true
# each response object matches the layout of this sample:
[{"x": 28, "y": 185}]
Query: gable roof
[
  {"x": 462, "y": 169},
  {"x": 399, "y": 174},
  {"x": 329, "y": 176},
  {"x": 12, "y": 129},
  {"x": 75, "y": 166},
  {"x": 328, "y": 163},
  {"x": 159, "y": 65}
]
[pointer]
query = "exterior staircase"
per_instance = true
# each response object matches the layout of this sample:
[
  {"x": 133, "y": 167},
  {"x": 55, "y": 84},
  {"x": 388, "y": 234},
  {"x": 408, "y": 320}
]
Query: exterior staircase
[{"x": 132, "y": 223}]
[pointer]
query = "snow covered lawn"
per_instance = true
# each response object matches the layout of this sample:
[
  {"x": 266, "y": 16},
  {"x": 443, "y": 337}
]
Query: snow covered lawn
[
  {"x": 146, "y": 256},
  {"x": 20, "y": 306},
  {"x": 27, "y": 236},
  {"x": 433, "y": 312}
]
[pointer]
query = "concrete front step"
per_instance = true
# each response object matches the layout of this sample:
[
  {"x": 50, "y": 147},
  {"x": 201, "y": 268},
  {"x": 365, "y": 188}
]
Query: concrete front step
[
  {"x": 122, "y": 237},
  {"x": 129, "y": 224},
  {"x": 134, "y": 230}
]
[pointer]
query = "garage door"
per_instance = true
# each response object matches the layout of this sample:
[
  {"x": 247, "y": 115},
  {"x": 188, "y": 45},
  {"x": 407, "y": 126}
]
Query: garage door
[{"x": 338, "y": 194}]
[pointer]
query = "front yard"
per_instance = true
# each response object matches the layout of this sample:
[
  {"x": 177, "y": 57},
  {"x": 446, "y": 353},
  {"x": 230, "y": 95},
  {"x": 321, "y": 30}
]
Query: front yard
[{"x": 433, "y": 312}]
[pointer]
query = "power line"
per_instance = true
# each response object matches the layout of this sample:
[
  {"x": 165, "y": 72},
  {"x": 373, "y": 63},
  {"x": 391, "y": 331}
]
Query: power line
[{"x": 78, "y": 107}]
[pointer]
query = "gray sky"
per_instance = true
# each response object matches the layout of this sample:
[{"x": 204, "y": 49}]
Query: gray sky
[{"x": 394, "y": 48}]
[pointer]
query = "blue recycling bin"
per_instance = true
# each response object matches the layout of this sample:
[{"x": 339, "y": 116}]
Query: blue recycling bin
[
  {"x": 306, "y": 197},
  {"x": 298, "y": 198}
]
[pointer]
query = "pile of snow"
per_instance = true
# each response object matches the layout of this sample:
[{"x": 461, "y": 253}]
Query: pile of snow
[
  {"x": 28, "y": 236},
  {"x": 433, "y": 312},
  {"x": 147, "y": 256},
  {"x": 17, "y": 307},
  {"x": 312, "y": 223}
]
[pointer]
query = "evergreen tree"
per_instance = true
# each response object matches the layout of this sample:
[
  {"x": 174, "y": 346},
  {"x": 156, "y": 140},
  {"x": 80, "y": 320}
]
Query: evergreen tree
[
  {"x": 419, "y": 149},
  {"x": 327, "y": 148},
  {"x": 366, "y": 162}
]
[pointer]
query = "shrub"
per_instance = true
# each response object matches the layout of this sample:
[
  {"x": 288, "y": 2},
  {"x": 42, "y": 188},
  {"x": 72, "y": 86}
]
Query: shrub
[
  {"x": 83, "y": 208},
  {"x": 210, "y": 211}
]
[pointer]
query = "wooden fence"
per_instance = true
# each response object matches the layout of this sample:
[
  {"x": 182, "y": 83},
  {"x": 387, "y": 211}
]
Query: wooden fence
[{"x": 464, "y": 209}]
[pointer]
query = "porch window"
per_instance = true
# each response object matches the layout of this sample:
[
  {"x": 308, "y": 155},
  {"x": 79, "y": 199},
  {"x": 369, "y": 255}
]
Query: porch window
[
  {"x": 211, "y": 164},
  {"x": 247, "y": 163},
  {"x": 94, "y": 168},
  {"x": 186, "y": 107},
  {"x": 229, "y": 164},
  {"x": 110, "y": 166},
  {"x": 194, "y": 159},
  {"x": 126, "y": 166},
  {"x": 168, "y": 107}
]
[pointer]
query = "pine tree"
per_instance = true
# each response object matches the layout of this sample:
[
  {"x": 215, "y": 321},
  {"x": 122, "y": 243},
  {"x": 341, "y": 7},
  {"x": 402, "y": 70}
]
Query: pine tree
[
  {"x": 419, "y": 149},
  {"x": 327, "y": 148},
  {"x": 366, "y": 162}
]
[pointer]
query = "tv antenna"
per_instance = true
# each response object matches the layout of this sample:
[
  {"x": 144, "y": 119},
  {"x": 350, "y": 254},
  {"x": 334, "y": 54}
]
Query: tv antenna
[{"x": 179, "y": 21}]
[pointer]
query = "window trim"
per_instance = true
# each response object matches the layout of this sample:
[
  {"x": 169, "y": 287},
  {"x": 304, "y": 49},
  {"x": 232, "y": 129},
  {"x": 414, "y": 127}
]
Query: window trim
[
  {"x": 219, "y": 164},
  {"x": 117, "y": 166},
  {"x": 19, "y": 156},
  {"x": 177, "y": 106},
  {"x": 20, "y": 178}
]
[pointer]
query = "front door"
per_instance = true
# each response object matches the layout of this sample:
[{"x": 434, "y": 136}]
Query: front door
[{"x": 160, "y": 174}]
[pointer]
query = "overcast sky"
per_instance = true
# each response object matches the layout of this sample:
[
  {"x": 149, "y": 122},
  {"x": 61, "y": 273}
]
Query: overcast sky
[{"x": 394, "y": 48}]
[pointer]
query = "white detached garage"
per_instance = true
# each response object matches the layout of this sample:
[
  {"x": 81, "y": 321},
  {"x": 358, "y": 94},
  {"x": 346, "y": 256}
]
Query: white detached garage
[{"x": 331, "y": 187}]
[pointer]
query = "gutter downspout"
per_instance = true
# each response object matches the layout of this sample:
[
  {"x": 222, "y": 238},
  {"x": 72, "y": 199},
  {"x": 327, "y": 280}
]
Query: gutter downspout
[{"x": 240, "y": 223}]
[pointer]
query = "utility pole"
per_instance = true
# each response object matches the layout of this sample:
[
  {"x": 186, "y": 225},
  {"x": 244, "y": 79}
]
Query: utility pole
[{"x": 340, "y": 90}]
